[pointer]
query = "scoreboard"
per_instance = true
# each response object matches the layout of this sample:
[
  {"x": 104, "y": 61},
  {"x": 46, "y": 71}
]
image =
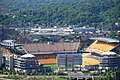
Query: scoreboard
[{"x": 69, "y": 60}]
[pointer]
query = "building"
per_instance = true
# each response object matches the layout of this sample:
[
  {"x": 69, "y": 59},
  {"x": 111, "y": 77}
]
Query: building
[
  {"x": 51, "y": 31},
  {"x": 89, "y": 30},
  {"x": 62, "y": 31},
  {"x": 7, "y": 33}
]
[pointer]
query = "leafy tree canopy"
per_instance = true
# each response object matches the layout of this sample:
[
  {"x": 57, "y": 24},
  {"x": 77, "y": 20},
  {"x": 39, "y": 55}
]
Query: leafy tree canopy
[{"x": 59, "y": 12}]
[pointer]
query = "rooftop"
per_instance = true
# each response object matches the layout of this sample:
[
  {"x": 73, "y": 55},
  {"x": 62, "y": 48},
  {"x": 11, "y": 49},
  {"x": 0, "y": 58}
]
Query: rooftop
[
  {"x": 8, "y": 41},
  {"x": 27, "y": 56},
  {"x": 109, "y": 53},
  {"x": 108, "y": 40}
]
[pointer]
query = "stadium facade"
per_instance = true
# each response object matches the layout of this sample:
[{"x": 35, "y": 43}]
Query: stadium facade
[
  {"x": 110, "y": 60},
  {"x": 27, "y": 62}
]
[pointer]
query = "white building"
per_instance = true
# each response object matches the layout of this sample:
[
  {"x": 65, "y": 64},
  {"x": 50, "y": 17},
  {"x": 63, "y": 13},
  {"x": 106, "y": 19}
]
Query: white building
[{"x": 52, "y": 31}]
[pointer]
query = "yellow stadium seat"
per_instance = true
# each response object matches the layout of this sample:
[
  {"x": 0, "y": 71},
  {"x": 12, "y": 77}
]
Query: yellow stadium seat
[
  {"x": 89, "y": 61},
  {"x": 100, "y": 47}
]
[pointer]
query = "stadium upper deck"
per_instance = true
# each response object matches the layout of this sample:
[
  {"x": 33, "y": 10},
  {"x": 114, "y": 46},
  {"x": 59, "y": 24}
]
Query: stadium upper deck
[
  {"x": 47, "y": 52},
  {"x": 101, "y": 45},
  {"x": 51, "y": 47}
]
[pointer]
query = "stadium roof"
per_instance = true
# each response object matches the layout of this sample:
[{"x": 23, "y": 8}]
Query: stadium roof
[
  {"x": 27, "y": 56},
  {"x": 109, "y": 53},
  {"x": 62, "y": 52},
  {"x": 108, "y": 40}
]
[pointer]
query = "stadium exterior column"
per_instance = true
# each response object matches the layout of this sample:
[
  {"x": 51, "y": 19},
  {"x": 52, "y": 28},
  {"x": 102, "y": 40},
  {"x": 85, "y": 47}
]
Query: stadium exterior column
[
  {"x": 11, "y": 62},
  {"x": 0, "y": 58},
  {"x": 58, "y": 64},
  {"x": 66, "y": 63},
  {"x": 73, "y": 64}
]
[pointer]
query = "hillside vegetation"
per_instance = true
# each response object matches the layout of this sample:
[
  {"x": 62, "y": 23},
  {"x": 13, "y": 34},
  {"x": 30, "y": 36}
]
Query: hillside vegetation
[{"x": 59, "y": 12}]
